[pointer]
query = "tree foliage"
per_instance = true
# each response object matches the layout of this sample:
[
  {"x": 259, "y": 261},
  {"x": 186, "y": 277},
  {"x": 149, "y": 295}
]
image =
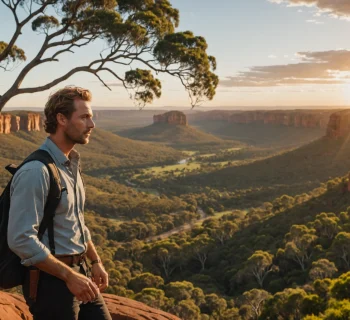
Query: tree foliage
[{"x": 136, "y": 33}]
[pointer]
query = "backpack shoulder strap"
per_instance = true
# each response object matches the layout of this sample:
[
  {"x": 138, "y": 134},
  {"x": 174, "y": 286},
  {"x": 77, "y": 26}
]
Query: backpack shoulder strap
[{"x": 54, "y": 195}]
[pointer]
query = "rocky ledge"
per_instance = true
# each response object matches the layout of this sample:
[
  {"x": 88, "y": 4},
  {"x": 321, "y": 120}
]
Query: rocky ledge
[{"x": 13, "y": 307}]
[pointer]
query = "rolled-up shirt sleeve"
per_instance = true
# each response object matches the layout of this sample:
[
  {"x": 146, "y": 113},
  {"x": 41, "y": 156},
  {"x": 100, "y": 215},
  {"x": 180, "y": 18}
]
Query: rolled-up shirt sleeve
[{"x": 29, "y": 191}]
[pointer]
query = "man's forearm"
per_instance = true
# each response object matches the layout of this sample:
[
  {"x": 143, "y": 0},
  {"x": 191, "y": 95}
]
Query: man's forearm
[
  {"x": 91, "y": 251},
  {"x": 55, "y": 267}
]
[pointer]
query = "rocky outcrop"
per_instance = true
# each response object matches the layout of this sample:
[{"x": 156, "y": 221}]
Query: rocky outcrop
[
  {"x": 339, "y": 124},
  {"x": 5, "y": 123},
  {"x": 172, "y": 118},
  {"x": 13, "y": 122},
  {"x": 30, "y": 122},
  {"x": 13, "y": 307}
]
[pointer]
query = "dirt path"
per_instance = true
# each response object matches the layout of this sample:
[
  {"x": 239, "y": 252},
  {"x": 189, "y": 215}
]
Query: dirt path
[{"x": 185, "y": 227}]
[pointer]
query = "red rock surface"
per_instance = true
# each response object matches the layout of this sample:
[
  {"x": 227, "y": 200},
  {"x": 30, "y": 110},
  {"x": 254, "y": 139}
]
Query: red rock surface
[
  {"x": 171, "y": 117},
  {"x": 13, "y": 307}
]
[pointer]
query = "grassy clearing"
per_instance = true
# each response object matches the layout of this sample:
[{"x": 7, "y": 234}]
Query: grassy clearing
[
  {"x": 207, "y": 155},
  {"x": 232, "y": 149},
  {"x": 189, "y": 153},
  {"x": 175, "y": 169}
]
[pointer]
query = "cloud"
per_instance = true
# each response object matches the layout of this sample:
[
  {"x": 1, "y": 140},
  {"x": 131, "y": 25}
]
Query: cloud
[
  {"x": 314, "y": 21},
  {"x": 337, "y": 8},
  {"x": 326, "y": 67},
  {"x": 272, "y": 56}
]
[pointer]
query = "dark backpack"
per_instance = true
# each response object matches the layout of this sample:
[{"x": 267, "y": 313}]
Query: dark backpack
[{"x": 11, "y": 270}]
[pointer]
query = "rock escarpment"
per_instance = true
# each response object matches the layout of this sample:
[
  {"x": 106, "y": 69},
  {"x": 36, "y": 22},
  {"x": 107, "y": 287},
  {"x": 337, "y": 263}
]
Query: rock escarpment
[
  {"x": 5, "y": 123},
  {"x": 27, "y": 121},
  {"x": 339, "y": 124},
  {"x": 13, "y": 307},
  {"x": 172, "y": 118},
  {"x": 290, "y": 118},
  {"x": 286, "y": 118}
]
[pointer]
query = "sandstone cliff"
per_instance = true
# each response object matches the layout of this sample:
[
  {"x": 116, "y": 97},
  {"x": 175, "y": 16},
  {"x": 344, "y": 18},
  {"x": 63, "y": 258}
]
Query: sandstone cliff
[
  {"x": 339, "y": 124},
  {"x": 13, "y": 307},
  {"x": 291, "y": 118},
  {"x": 5, "y": 123},
  {"x": 30, "y": 122},
  {"x": 302, "y": 119},
  {"x": 172, "y": 118},
  {"x": 13, "y": 122}
]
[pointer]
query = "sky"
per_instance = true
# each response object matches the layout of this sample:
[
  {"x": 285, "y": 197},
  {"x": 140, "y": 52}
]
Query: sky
[{"x": 270, "y": 54}]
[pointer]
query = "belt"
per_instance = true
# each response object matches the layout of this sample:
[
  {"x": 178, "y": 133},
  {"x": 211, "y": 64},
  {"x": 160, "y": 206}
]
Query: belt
[{"x": 71, "y": 260}]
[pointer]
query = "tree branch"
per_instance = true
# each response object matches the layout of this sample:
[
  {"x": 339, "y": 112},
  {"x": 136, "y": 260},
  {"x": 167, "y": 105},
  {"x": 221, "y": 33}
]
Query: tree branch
[
  {"x": 56, "y": 81},
  {"x": 19, "y": 25}
]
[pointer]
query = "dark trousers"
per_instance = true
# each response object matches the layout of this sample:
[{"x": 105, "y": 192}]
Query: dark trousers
[{"x": 55, "y": 302}]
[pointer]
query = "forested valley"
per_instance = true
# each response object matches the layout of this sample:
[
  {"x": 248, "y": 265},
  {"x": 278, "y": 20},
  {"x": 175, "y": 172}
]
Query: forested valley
[{"x": 241, "y": 231}]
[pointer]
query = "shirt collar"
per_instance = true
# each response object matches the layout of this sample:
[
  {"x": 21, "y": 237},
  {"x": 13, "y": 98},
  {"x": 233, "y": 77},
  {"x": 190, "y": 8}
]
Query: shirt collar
[{"x": 59, "y": 155}]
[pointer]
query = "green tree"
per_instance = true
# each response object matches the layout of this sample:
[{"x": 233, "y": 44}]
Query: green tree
[
  {"x": 166, "y": 256},
  {"x": 326, "y": 225},
  {"x": 154, "y": 298},
  {"x": 341, "y": 248},
  {"x": 259, "y": 265},
  {"x": 200, "y": 247},
  {"x": 186, "y": 310},
  {"x": 224, "y": 231},
  {"x": 214, "y": 305},
  {"x": 135, "y": 32},
  {"x": 145, "y": 280},
  {"x": 340, "y": 288},
  {"x": 179, "y": 290},
  {"x": 299, "y": 244},
  {"x": 321, "y": 269},
  {"x": 285, "y": 305},
  {"x": 255, "y": 299}
]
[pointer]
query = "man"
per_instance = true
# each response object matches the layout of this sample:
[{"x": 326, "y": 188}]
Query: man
[{"x": 64, "y": 290}]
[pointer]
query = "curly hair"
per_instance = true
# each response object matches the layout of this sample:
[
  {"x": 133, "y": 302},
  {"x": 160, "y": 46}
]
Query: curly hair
[{"x": 62, "y": 101}]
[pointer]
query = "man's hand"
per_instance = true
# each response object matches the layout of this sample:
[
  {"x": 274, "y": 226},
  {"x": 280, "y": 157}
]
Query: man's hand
[
  {"x": 82, "y": 287},
  {"x": 99, "y": 276}
]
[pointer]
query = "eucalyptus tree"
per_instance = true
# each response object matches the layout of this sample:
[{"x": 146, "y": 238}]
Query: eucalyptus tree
[{"x": 139, "y": 35}]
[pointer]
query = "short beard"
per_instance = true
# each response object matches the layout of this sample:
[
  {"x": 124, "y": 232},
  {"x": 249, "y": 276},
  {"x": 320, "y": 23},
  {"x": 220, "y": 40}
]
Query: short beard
[{"x": 80, "y": 140}]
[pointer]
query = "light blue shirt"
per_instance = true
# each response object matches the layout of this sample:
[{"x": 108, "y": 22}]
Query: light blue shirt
[{"x": 29, "y": 192}]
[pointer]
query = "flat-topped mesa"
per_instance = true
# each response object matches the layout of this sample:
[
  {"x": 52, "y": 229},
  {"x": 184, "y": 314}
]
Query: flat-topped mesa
[
  {"x": 302, "y": 119},
  {"x": 172, "y": 118},
  {"x": 339, "y": 124}
]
